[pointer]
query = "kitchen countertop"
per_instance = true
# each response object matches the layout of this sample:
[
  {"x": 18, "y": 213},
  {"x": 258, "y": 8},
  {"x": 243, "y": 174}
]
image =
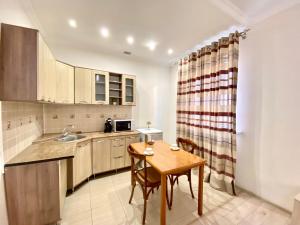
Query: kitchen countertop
[{"x": 46, "y": 148}]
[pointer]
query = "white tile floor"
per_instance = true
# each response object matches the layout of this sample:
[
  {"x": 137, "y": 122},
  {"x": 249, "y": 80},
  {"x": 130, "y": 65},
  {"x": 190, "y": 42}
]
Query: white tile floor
[{"x": 104, "y": 201}]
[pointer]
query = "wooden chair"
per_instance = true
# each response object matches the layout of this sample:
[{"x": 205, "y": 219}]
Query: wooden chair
[
  {"x": 188, "y": 146},
  {"x": 147, "y": 177}
]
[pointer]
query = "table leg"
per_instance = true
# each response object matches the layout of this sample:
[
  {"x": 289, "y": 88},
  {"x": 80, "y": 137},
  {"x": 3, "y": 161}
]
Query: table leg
[
  {"x": 200, "y": 190},
  {"x": 163, "y": 200}
]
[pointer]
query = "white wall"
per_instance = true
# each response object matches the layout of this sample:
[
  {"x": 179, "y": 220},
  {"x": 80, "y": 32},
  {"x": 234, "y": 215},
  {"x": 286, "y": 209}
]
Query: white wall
[
  {"x": 268, "y": 157},
  {"x": 152, "y": 82}
]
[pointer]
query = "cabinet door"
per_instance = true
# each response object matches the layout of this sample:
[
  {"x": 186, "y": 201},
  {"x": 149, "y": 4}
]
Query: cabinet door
[
  {"x": 100, "y": 87},
  {"x": 64, "y": 83},
  {"x": 117, "y": 153},
  {"x": 62, "y": 183},
  {"x": 70, "y": 84},
  {"x": 82, "y": 163},
  {"x": 42, "y": 76},
  {"x": 128, "y": 90},
  {"x": 101, "y": 155},
  {"x": 130, "y": 140},
  {"x": 83, "y": 83},
  {"x": 46, "y": 80}
]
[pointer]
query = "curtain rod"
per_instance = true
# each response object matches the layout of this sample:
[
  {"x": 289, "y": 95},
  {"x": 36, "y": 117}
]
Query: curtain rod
[{"x": 243, "y": 34}]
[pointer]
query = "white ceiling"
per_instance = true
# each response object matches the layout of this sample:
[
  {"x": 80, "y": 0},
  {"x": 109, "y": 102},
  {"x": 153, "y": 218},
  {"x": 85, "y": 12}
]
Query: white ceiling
[{"x": 176, "y": 24}]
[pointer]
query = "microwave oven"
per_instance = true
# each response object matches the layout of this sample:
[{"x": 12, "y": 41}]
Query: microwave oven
[{"x": 123, "y": 125}]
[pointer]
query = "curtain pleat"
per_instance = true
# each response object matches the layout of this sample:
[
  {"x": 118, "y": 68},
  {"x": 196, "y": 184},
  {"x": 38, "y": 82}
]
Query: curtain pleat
[{"x": 206, "y": 107}]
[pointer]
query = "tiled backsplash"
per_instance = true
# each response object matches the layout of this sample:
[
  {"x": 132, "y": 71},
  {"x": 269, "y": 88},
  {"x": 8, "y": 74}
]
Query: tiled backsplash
[
  {"x": 85, "y": 118},
  {"x": 21, "y": 124}
]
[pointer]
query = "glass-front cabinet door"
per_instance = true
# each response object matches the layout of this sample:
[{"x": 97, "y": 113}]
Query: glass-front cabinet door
[
  {"x": 128, "y": 83},
  {"x": 100, "y": 87}
]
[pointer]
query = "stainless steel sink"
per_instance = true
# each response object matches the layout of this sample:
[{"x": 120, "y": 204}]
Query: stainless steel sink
[{"x": 70, "y": 137}]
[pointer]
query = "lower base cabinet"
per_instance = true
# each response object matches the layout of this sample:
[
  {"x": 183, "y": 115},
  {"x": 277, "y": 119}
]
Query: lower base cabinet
[
  {"x": 111, "y": 153},
  {"x": 80, "y": 167},
  {"x": 33, "y": 193}
]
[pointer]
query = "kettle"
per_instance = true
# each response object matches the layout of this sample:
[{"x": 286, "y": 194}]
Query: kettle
[{"x": 108, "y": 126}]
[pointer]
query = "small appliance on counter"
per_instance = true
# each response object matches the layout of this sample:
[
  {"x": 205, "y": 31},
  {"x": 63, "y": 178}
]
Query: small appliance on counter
[
  {"x": 108, "y": 126},
  {"x": 123, "y": 125},
  {"x": 150, "y": 134}
]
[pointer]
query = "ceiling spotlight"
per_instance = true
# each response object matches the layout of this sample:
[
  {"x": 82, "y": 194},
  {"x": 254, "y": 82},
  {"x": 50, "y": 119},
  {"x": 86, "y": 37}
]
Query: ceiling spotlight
[
  {"x": 72, "y": 23},
  {"x": 104, "y": 32},
  {"x": 170, "y": 51},
  {"x": 151, "y": 45},
  {"x": 130, "y": 40}
]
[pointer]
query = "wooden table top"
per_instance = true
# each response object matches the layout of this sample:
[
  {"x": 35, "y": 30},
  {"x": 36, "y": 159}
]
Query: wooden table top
[{"x": 166, "y": 161}]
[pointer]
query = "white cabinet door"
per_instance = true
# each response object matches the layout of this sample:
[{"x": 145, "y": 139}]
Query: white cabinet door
[{"x": 82, "y": 163}]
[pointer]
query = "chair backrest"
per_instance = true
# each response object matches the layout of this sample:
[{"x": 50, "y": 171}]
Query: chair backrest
[
  {"x": 137, "y": 159},
  {"x": 186, "y": 144}
]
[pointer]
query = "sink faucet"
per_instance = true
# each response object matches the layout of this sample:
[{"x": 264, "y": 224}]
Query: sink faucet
[{"x": 67, "y": 130}]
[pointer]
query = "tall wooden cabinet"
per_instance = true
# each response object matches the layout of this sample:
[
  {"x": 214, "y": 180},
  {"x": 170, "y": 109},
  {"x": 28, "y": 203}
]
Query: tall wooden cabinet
[
  {"x": 32, "y": 193},
  {"x": 64, "y": 83},
  {"x": 27, "y": 66},
  {"x": 83, "y": 86}
]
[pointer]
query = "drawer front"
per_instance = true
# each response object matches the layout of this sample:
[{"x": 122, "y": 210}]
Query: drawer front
[
  {"x": 117, "y": 162},
  {"x": 117, "y": 151},
  {"x": 118, "y": 142}
]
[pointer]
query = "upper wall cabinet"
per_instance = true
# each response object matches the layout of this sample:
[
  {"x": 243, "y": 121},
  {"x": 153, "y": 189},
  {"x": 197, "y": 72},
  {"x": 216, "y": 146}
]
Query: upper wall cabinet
[
  {"x": 100, "y": 87},
  {"x": 27, "y": 66},
  {"x": 128, "y": 90},
  {"x": 64, "y": 83},
  {"x": 83, "y": 86}
]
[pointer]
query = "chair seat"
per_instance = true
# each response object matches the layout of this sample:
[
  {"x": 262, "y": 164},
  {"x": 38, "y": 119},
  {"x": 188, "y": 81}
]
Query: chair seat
[{"x": 153, "y": 177}]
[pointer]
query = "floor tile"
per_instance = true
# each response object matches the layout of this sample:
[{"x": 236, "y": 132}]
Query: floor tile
[{"x": 104, "y": 201}]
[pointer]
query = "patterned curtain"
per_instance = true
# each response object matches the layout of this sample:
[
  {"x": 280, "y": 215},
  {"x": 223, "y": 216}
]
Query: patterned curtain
[{"x": 206, "y": 104}]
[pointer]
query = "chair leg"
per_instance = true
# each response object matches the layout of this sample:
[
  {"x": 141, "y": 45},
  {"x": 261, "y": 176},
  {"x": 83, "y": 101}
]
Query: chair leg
[
  {"x": 190, "y": 181},
  {"x": 132, "y": 190},
  {"x": 172, "y": 182},
  {"x": 145, "y": 207},
  {"x": 167, "y": 195}
]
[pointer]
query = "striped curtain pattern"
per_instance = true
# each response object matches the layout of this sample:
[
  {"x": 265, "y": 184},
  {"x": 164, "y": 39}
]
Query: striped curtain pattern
[{"x": 206, "y": 104}]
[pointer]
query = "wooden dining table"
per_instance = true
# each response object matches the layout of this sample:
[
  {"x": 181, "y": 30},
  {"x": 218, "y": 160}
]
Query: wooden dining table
[{"x": 166, "y": 162}]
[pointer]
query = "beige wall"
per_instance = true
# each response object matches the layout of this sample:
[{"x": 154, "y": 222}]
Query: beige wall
[
  {"x": 85, "y": 118},
  {"x": 21, "y": 124}
]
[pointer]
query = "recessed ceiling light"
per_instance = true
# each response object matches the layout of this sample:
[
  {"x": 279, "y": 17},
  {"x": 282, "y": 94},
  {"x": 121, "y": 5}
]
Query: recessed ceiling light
[
  {"x": 104, "y": 32},
  {"x": 151, "y": 45},
  {"x": 72, "y": 23},
  {"x": 170, "y": 51},
  {"x": 130, "y": 40}
]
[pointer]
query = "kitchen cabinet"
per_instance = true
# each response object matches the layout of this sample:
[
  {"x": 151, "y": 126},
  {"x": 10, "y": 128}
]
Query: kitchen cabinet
[
  {"x": 117, "y": 153},
  {"x": 82, "y": 163},
  {"x": 128, "y": 90},
  {"x": 32, "y": 193},
  {"x": 130, "y": 140},
  {"x": 83, "y": 86},
  {"x": 62, "y": 183},
  {"x": 27, "y": 66},
  {"x": 46, "y": 84},
  {"x": 101, "y": 155},
  {"x": 100, "y": 87},
  {"x": 64, "y": 83}
]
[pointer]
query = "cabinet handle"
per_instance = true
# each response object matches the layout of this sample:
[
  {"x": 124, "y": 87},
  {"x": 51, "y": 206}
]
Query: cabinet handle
[
  {"x": 118, "y": 157},
  {"x": 82, "y": 101},
  {"x": 99, "y": 141}
]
